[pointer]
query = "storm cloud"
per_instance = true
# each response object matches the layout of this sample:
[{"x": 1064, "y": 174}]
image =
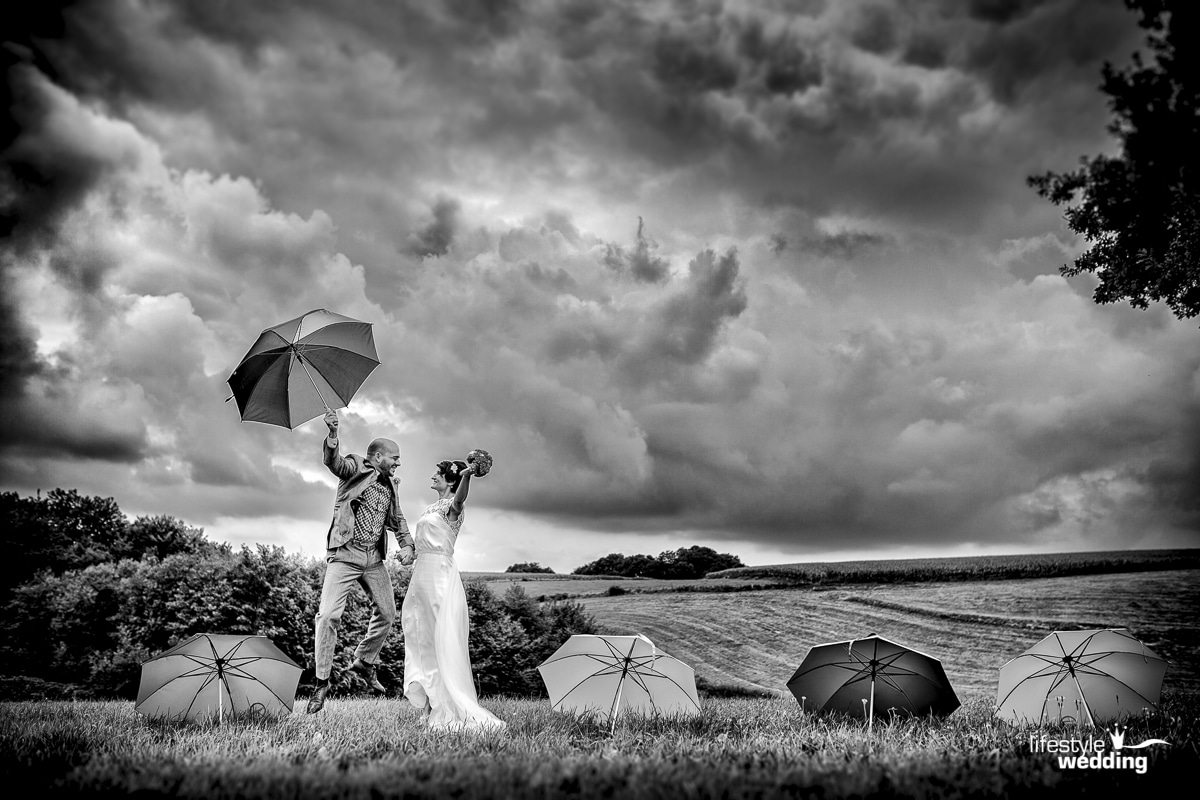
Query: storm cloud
[{"x": 763, "y": 276}]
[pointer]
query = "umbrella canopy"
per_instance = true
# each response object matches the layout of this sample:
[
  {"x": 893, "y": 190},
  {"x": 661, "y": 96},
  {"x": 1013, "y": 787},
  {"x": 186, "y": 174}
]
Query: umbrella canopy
[
  {"x": 606, "y": 675},
  {"x": 872, "y": 676},
  {"x": 213, "y": 674},
  {"x": 302, "y": 368},
  {"x": 1082, "y": 676}
]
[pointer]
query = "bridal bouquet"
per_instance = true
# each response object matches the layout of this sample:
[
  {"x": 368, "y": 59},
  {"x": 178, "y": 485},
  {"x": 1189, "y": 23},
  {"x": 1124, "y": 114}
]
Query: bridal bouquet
[{"x": 482, "y": 461}]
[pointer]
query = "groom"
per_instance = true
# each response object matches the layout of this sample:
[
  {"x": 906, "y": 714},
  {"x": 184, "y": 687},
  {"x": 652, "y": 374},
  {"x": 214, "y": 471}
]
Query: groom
[{"x": 364, "y": 510}]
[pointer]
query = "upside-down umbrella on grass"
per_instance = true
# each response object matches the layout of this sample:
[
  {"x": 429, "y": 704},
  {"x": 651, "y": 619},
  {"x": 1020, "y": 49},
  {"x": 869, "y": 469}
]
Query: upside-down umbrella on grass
[
  {"x": 301, "y": 368},
  {"x": 607, "y": 675},
  {"x": 210, "y": 675},
  {"x": 1083, "y": 676},
  {"x": 872, "y": 676}
]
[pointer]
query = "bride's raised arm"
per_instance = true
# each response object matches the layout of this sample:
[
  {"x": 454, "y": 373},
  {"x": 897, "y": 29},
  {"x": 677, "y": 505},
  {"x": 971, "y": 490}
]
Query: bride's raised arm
[{"x": 460, "y": 494}]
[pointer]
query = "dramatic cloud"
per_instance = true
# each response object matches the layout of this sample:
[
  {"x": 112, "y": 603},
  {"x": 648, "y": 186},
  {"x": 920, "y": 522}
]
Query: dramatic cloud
[{"x": 761, "y": 276}]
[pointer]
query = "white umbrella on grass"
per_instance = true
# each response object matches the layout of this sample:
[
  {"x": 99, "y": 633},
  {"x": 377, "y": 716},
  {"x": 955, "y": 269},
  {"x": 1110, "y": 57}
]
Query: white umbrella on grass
[{"x": 607, "y": 675}]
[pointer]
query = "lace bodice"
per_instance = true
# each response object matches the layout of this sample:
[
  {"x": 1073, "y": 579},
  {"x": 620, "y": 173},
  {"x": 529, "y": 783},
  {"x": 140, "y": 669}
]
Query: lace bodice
[{"x": 434, "y": 532}]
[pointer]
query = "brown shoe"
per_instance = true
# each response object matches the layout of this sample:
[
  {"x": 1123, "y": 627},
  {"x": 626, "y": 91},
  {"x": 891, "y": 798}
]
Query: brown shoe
[
  {"x": 367, "y": 672},
  {"x": 317, "y": 701}
]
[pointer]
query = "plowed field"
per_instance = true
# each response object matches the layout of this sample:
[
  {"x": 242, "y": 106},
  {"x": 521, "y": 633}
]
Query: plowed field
[{"x": 756, "y": 639}]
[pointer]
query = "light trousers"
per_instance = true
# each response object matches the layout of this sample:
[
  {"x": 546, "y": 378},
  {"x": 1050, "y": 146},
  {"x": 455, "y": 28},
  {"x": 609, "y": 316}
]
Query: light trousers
[{"x": 344, "y": 567}]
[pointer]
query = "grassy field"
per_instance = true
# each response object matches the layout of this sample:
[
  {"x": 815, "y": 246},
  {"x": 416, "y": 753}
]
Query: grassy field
[
  {"x": 737, "y": 748},
  {"x": 843, "y": 573},
  {"x": 573, "y": 586},
  {"x": 970, "y": 568},
  {"x": 747, "y": 640}
]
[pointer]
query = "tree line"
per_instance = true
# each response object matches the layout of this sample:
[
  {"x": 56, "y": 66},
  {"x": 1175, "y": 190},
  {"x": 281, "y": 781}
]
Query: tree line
[
  {"x": 681, "y": 564},
  {"x": 89, "y": 595},
  {"x": 686, "y": 563}
]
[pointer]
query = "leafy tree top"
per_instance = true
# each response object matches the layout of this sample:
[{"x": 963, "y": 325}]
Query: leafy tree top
[
  {"x": 529, "y": 566},
  {"x": 1140, "y": 210},
  {"x": 684, "y": 563}
]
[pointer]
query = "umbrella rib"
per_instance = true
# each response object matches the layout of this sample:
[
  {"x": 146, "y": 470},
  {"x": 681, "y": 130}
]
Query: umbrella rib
[
  {"x": 238, "y": 670},
  {"x": 282, "y": 660},
  {"x": 278, "y": 334},
  {"x": 1048, "y": 668},
  {"x": 591, "y": 656},
  {"x": 613, "y": 653},
  {"x": 1102, "y": 654},
  {"x": 193, "y": 673},
  {"x": 242, "y": 675},
  {"x": 1115, "y": 679},
  {"x": 196, "y": 696},
  {"x": 888, "y": 679},
  {"x": 639, "y": 679},
  {"x": 1059, "y": 676},
  {"x": 219, "y": 674},
  {"x": 1040, "y": 674},
  {"x": 304, "y": 359},
  {"x": 585, "y": 679},
  {"x": 885, "y": 678},
  {"x": 298, "y": 357},
  {"x": 666, "y": 677},
  {"x": 287, "y": 662},
  {"x": 856, "y": 668},
  {"x": 612, "y": 712}
]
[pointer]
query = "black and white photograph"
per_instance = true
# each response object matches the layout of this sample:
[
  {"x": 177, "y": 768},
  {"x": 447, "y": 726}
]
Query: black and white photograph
[{"x": 639, "y": 399}]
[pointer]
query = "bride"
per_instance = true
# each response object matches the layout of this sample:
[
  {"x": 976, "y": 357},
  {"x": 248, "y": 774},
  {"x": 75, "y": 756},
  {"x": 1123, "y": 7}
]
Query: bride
[{"x": 437, "y": 667}]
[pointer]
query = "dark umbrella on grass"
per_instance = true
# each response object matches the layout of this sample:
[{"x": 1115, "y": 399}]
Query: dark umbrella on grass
[{"x": 872, "y": 676}]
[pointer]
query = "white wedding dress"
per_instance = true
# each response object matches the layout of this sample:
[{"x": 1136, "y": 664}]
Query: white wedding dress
[{"x": 437, "y": 666}]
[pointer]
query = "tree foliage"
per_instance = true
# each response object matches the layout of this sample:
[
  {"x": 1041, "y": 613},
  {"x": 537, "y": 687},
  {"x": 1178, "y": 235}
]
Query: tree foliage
[
  {"x": 1140, "y": 210},
  {"x": 116, "y": 593},
  {"x": 529, "y": 566},
  {"x": 63, "y": 530},
  {"x": 684, "y": 563}
]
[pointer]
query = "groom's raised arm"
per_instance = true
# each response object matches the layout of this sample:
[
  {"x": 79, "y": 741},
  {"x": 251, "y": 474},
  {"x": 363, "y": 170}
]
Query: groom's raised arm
[{"x": 330, "y": 450}]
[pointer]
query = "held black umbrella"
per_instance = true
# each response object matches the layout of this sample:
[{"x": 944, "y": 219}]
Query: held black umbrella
[
  {"x": 872, "y": 676},
  {"x": 301, "y": 368},
  {"x": 212, "y": 674}
]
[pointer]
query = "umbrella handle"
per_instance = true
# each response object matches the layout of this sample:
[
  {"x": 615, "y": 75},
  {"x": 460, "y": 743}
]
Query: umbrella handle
[
  {"x": 871, "y": 715},
  {"x": 1083, "y": 699},
  {"x": 616, "y": 708}
]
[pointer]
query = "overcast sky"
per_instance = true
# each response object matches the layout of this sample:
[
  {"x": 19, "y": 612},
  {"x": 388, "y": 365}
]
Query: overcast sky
[{"x": 763, "y": 276}]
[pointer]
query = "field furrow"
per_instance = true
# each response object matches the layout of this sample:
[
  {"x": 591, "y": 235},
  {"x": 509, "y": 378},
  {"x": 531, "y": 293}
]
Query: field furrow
[{"x": 757, "y": 639}]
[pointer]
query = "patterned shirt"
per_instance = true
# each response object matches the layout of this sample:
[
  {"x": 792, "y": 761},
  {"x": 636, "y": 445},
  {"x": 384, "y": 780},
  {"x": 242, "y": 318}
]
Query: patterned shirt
[{"x": 370, "y": 514}]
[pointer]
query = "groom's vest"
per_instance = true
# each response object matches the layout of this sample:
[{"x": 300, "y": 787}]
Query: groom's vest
[{"x": 354, "y": 475}]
